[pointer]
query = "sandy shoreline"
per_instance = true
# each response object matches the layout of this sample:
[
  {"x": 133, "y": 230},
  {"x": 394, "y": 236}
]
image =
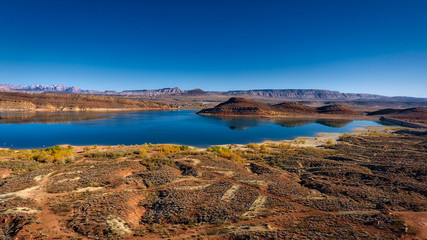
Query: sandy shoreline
[{"x": 322, "y": 138}]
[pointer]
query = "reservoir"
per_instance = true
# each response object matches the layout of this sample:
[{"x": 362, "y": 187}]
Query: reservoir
[{"x": 39, "y": 130}]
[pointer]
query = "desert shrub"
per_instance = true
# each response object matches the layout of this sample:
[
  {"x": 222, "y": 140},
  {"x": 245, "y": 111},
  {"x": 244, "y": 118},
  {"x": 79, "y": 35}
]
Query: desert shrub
[
  {"x": 51, "y": 154},
  {"x": 7, "y": 153},
  {"x": 228, "y": 154},
  {"x": 272, "y": 145},
  {"x": 253, "y": 146},
  {"x": 110, "y": 155},
  {"x": 21, "y": 166},
  {"x": 184, "y": 147},
  {"x": 61, "y": 208},
  {"x": 343, "y": 136},
  {"x": 172, "y": 148},
  {"x": 216, "y": 149},
  {"x": 283, "y": 146},
  {"x": 264, "y": 148},
  {"x": 141, "y": 152},
  {"x": 310, "y": 151},
  {"x": 156, "y": 160}
]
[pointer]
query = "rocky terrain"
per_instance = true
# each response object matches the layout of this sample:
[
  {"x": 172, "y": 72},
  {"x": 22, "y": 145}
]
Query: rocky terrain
[
  {"x": 418, "y": 115},
  {"x": 244, "y": 106},
  {"x": 365, "y": 185},
  {"x": 12, "y": 101}
]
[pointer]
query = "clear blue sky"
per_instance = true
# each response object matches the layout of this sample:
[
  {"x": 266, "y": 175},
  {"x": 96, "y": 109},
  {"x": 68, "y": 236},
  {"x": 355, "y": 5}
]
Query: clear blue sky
[{"x": 352, "y": 46}]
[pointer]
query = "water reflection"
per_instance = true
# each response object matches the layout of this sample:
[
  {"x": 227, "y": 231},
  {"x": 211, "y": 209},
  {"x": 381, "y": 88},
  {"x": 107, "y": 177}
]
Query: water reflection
[
  {"x": 242, "y": 123},
  {"x": 293, "y": 122},
  {"x": 47, "y": 117},
  {"x": 237, "y": 123},
  {"x": 335, "y": 123}
]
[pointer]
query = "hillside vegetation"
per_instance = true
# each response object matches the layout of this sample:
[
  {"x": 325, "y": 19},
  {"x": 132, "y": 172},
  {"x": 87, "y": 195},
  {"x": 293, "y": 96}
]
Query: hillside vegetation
[{"x": 10, "y": 101}]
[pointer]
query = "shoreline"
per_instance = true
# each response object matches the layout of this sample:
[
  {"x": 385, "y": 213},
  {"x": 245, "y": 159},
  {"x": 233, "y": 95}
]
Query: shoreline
[{"x": 322, "y": 138}]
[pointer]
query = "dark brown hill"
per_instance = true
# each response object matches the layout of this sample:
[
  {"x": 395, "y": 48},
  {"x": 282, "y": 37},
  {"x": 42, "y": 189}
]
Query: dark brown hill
[
  {"x": 417, "y": 114},
  {"x": 294, "y": 107},
  {"x": 72, "y": 102},
  {"x": 244, "y": 106},
  {"x": 239, "y": 106},
  {"x": 194, "y": 92},
  {"x": 336, "y": 109},
  {"x": 416, "y": 110}
]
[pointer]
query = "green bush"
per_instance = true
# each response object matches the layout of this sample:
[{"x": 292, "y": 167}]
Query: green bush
[{"x": 155, "y": 161}]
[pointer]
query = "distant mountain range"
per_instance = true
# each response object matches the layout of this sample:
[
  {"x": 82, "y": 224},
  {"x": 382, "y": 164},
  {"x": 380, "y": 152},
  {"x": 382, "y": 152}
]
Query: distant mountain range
[
  {"x": 298, "y": 94},
  {"x": 40, "y": 88}
]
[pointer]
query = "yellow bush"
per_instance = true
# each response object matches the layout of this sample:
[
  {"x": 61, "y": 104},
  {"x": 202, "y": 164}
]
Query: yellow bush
[
  {"x": 229, "y": 154},
  {"x": 253, "y": 146},
  {"x": 52, "y": 154},
  {"x": 264, "y": 148},
  {"x": 283, "y": 146},
  {"x": 272, "y": 145}
]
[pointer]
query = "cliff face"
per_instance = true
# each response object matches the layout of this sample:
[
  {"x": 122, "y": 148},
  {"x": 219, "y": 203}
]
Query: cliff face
[
  {"x": 309, "y": 94},
  {"x": 244, "y": 106}
]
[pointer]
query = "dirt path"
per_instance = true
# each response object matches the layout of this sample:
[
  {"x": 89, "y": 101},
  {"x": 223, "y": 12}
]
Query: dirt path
[
  {"x": 416, "y": 220},
  {"x": 51, "y": 223}
]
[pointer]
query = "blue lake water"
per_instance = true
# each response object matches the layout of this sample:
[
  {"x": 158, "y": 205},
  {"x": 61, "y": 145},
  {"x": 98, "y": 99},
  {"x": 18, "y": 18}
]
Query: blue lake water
[{"x": 179, "y": 127}]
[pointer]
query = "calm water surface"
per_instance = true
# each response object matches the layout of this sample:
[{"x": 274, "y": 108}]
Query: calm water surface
[{"x": 179, "y": 127}]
